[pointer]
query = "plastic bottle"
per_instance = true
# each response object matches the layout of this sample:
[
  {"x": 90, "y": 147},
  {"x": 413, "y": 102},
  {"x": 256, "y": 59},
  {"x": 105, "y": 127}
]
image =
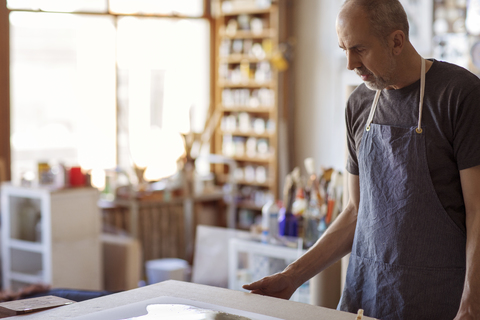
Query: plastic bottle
[
  {"x": 273, "y": 221},
  {"x": 266, "y": 221},
  {"x": 310, "y": 222},
  {"x": 269, "y": 221},
  {"x": 59, "y": 175}
]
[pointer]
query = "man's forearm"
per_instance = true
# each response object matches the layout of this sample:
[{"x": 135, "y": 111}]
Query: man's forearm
[
  {"x": 470, "y": 305},
  {"x": 335, "y": 243}
]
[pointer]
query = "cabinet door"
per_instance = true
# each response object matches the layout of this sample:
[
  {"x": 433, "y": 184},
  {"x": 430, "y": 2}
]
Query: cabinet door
[
  {"x": 23, "y": 257},
  {"x": 76, "y": 245}
]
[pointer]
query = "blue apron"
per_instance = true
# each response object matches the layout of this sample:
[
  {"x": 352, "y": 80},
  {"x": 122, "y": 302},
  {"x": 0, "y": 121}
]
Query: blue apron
[{"x": 408, "y": 256}]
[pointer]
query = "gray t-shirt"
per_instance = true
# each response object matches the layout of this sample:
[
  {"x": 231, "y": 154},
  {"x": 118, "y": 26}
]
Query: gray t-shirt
[{"x": 451, "y": 122}]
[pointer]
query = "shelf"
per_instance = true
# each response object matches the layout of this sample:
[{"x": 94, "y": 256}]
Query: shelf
[
  {"x": 26, "y": 245},
  {"x": 262, "y": 109},
  {"x": 248, "y": 134},
  {"x": 249, "y": 205},
  {"x": 238, "y": 58},
  {"x": 224, "y": 179},
  {"x": 254, "y": 183},
  {"x": 266, "y": 159},
  {"x": 26, "y": 277},
  {"x": 217, "y": 195},
  {"x": 268, "y": 33},
  {"x": 248, "y": 84},
  {"x": 247, "y": 11}
]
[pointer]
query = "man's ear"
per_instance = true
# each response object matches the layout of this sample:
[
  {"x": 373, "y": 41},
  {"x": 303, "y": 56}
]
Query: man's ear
[{"x": 397, "y": 41}]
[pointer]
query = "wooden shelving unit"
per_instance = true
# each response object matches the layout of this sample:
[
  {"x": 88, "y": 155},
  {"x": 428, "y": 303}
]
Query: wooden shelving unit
[{"x": 246, "y": 98}]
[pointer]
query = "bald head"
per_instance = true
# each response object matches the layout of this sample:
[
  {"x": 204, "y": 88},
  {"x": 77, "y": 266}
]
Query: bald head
[
  {"x": 374, "y": 36},
  {"x": 384, "y": 16}
]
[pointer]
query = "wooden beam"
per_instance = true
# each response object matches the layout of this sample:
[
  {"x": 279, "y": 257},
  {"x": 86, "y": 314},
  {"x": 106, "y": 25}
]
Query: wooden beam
[{"x": 5, "y": 89}]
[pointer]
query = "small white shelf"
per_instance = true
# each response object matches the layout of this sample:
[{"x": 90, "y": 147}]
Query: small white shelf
[
  {"x": 26, "y": 277},
  {"x": 250, "y": 260},
  {"x": 67, "y": 225},
  {"x": 26, "y": 245}
]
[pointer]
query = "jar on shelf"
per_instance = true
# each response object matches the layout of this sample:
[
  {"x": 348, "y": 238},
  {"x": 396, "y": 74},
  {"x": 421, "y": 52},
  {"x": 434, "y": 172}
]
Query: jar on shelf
[{"x": 28, "y": 217}]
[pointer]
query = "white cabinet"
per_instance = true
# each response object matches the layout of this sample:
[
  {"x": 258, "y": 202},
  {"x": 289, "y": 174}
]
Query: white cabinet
[
  {"x": 250, "y": 260},
  {"x": 51, "y": 237}
]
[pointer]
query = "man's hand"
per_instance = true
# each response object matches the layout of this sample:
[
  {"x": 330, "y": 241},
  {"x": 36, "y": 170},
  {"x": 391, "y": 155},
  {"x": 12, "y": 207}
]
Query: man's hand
[{"x": 278, "y": 285}]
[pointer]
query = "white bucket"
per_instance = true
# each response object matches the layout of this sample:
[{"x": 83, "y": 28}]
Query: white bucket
[{"x": 166, "y": 269}]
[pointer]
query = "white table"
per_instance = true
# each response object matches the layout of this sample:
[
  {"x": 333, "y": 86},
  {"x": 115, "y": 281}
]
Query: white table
[{"x": 221, "y": 297}]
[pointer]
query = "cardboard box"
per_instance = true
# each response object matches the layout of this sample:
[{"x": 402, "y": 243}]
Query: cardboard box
[{"x": 122, "y": 262}]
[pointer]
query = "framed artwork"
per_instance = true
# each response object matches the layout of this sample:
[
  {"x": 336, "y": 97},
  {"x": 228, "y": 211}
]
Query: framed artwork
[{"x": 420, "y": 18}]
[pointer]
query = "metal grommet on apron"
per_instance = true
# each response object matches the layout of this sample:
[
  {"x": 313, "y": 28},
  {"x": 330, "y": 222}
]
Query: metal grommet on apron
[{"x": 408, "y": 256}]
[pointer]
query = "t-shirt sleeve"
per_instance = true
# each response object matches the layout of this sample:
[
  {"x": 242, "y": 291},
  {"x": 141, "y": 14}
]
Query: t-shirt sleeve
[
  {"x": 352, "y": 160},
  {"x": 466, "y": 142}
]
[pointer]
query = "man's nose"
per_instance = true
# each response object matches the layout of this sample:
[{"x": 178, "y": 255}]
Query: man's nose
[{"x": 353, "y": 61}]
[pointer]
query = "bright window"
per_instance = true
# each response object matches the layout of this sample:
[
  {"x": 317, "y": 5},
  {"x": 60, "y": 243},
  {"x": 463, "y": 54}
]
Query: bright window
[
  {"x": 192, "y": 8},
  {"x": 60, "y": 5},
  {"x": 63, "y": 90},
  {"x": 163, "y": 88},
  {"x": 101, "y": 90}
]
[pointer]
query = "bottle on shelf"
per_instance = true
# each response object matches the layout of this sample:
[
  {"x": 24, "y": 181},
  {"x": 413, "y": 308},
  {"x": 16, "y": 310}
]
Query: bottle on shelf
[
  {"x": 311, "y": 219},
  {"x": 269, "y": 221},
  {"x": 287, "y": 222},
  {"x": 313, "y": 213}
]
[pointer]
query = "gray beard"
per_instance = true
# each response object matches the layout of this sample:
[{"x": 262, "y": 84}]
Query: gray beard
[{"x": 378, "y": 84}]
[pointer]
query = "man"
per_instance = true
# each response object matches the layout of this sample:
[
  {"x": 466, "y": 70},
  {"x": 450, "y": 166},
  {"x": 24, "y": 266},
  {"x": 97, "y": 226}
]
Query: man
[{"x": 413, "y": 218}]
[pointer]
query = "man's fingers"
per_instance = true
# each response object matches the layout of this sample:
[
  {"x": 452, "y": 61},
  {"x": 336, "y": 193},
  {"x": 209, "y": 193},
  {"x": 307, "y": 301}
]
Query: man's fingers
[
  {"x": 259, "y": 291},
  {"x": 251, "y": 286}
]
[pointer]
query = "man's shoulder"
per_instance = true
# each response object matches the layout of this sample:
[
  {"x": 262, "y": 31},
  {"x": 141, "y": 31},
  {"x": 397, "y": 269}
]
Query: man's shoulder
[
  {"x": 445, "y": 65},
  {"x": 449, "y": 73}
]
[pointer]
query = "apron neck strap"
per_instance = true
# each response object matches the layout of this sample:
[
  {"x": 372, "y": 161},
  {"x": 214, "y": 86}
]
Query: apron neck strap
[
  {"x": 420, "y": 106},
  {"x": 422, "y": 93}
]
